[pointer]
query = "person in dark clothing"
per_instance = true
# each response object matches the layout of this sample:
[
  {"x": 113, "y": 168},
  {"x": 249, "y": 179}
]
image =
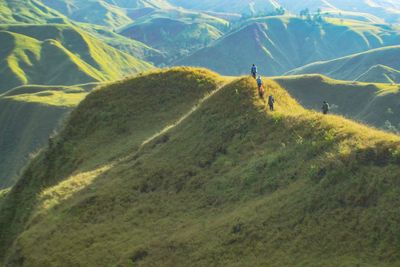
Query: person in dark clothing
[
  {"x": 254, "y": 71},
  {"x": 325, "y": 108},
  {"x": 271, "y": 102},
  {"x": 260, "y": 87}
]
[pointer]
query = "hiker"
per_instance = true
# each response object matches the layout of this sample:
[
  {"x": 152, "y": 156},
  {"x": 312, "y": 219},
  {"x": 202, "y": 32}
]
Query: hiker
[
  {"x": 254, "y": 71},
  {"x": 271, "y": 102},
  {"x": 325, "y": 108},
  {"x": 260, "y": 87}
]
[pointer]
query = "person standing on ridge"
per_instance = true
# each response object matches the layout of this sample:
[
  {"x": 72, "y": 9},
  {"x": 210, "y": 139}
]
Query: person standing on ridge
[
  {"x": 325, "y": 108},
  {"x": 260, "y": 87},
  {"x": 271, "y": 102},
  {"x": 254, "y": 71}
]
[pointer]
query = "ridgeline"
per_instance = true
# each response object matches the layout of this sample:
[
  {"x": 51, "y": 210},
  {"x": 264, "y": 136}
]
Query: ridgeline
[{"x": 182, "y": 167}]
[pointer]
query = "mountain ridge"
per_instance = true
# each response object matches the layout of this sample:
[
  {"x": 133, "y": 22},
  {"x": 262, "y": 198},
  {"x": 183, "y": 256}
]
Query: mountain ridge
[{"x": 231, "y": 187}]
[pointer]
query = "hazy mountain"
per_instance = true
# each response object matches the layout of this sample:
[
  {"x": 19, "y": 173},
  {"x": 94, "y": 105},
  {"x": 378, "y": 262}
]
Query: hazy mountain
[
  {"x": 278, "y": 44},
  {"x": 176, "y": 32},
  {"x": 355, "y": 66},
  {"x": 229, "y": 6},
  {"x": 380, "y": 74}
]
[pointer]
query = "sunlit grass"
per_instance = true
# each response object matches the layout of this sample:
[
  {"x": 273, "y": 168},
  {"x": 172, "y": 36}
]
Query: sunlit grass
[{"x": 221, "y": 181}]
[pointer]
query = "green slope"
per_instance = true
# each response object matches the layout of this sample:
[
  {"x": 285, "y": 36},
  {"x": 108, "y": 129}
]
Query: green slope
[
  {"x": 28, "y": 116},
  {"x": 110, "y": 13},
  {"x": 380, "y": 74},
  {"x": 353, "y": 66},
  {"x": 59, "y": 55},
  {"x": 27, "y": 11},
  {"x": 213, "y": 181},
  {"x": 95, "y": 12},
  {"x": 127, "y": 45},
  {"x": 279, "y": 44},
  {"x": 176, "y": 32},
  {"x": 375, "y": 104}
]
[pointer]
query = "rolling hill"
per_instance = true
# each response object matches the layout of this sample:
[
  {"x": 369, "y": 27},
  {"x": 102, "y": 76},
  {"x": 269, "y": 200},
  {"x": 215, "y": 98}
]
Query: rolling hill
[
  {"x": 176, "y": 33},
  {"x": 380, "y": 74},
  {"x": 28, "y": 116},
  {"x": 59, "y": 55},
  {"x": 209, "y": 178},
  {"x": 374, "y": 104},
  {"x": 27, "y": 11},
  {"x": 132, "y": 47},
  {"x": 279, "y": 44},
  {"x": 110, "y": 13},
  {"x": 353, "y": 67}
]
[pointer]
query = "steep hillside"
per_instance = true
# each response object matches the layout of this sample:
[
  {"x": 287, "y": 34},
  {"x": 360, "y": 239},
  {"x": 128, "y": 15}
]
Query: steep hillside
[
  {"x": 375, "y": 104},
  {"x": 279, "y": 44},
  {"x": 59, "y": 55},
  {"x": 176, "y": 33},
  {"x": 353, "y": 66},
  {"x": 27, "y": 11},
  {"x": 97, "y": 12},
  {"x": 213, "y": 181},
  {"x": 380, "y": 74},
  {"x": 132, "y": 47},
  {"x": 28, "y": 116}
]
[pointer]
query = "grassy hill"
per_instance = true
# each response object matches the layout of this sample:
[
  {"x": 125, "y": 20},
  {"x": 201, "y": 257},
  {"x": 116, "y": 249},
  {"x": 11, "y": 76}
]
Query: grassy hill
[
  {"x": 28, "y": 116},
  {"x": 375, "y": 104},
  {"x": 176, "y": 32},
  {"x": 380, "y": 74},
  {"x": 279, "y": 44},
  {"x": 353, "y": 67},
  {"x": 27, "y": 11},
  {"x": 110, "y": 13},
  {"x": 59, "y": 55},
  {"x": 95, "y": 12},
  {"x": 244, "y": 186},
  {"x": 132, "y": 47}
]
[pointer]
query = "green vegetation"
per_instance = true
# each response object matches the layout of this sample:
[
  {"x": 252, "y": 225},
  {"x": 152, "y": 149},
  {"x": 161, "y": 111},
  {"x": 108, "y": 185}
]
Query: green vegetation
[
  {"x": 375, "y": 104},
  {"x": 280, "y": 44},
  {"x": 28, "y": 116},
  {"x": 130, "y": 46},
  {"x": 380, "y": 74},
  {"x": 362, "y": 66},
  {"x": 27, "y": 11},
  {"x": 176, "y": 33},
  {"x": 59, "y": 55},
  {"x": 110, "y": 13},
  {"x": 175, "y": 170},
  {"x": 47, "y": 95}
]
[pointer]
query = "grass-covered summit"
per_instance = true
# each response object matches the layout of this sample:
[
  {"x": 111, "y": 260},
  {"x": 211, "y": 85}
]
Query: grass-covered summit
[
  {"x": 59, "y": 55},
  {"x": 183, "y": 167}
]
